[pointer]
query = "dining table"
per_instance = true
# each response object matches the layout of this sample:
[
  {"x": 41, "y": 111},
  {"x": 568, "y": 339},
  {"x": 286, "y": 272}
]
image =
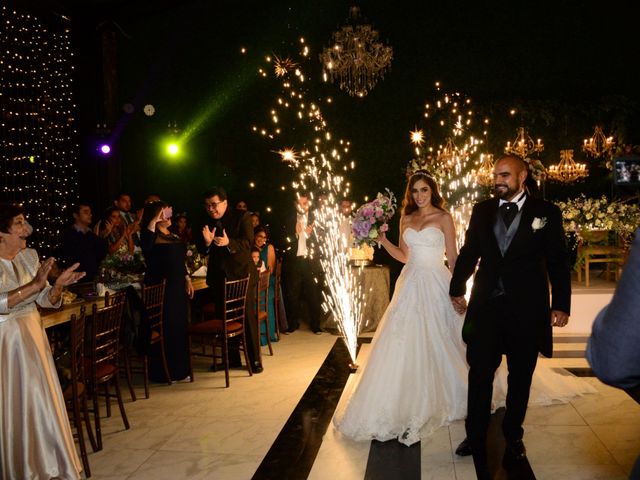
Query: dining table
[{"x": 51, "y": 317}]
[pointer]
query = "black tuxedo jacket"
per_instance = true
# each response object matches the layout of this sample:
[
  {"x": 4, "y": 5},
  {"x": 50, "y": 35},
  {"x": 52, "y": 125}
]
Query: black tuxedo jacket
[
  {"x": 534, "y": 259},
  {"x": 234, "y": 260}
]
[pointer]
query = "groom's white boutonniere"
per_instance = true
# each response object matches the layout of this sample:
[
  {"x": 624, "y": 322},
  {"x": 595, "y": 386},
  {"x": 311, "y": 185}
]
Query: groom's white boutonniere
[{"x": 538, "y": 223}]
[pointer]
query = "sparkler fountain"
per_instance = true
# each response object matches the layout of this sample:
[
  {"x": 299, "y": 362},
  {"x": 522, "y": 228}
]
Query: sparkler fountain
[
  {"x": 319, "y": 167},
  {"x": 450, "y": 119}
]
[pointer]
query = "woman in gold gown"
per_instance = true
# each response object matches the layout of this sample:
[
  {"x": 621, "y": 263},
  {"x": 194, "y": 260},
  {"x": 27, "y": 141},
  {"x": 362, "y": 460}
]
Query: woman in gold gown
[{"x": 35, "y": 437}]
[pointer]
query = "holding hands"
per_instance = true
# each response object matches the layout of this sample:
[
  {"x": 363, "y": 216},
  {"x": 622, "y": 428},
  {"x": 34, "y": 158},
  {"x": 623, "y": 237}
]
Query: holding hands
[{"x": 459, "y": 304}]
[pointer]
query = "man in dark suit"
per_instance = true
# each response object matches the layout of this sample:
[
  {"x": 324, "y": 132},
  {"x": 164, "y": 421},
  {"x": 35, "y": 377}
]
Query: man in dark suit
[
  {"x": 80, "y": 244},
  {"x": 520, "y": 243},
  {"x": 303, "y": 272},
  {"x": 228, "y": 238}
]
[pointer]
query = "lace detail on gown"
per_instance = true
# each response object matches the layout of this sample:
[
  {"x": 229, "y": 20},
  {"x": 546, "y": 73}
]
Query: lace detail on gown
[{"x": 415, "y": 379}]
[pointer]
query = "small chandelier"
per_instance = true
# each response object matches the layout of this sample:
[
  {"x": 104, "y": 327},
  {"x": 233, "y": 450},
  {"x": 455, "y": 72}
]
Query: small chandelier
[
  {"x": 484, "y": 174},
  {"x": 449, "y": 155},
  {"x": 523, "y": 145},
  {"x": 567, "y": 171},
  {"x": 598, "y": 145},
  {"x": 356, "y": 59}
]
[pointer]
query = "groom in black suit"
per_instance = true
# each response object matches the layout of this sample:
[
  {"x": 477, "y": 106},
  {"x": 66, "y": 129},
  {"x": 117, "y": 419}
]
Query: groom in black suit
[{"x": 520, "y": 244}]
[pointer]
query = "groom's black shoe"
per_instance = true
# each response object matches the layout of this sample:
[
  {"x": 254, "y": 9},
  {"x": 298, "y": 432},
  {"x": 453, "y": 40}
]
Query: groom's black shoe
[
  {"x": 514, "y": 453},
  {"x": 464, "y": 449}
]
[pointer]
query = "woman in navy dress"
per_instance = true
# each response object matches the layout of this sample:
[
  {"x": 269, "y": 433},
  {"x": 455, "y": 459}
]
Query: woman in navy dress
[{"x": 165, "y": 254}]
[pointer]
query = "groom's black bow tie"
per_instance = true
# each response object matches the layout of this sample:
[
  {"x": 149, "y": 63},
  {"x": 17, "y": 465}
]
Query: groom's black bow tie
[{"x": 508, "y": 211}]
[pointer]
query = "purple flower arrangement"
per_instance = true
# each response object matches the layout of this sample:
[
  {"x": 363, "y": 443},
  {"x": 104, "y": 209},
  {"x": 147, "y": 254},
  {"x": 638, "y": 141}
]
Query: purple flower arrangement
[{"x": 372, "y": 218}]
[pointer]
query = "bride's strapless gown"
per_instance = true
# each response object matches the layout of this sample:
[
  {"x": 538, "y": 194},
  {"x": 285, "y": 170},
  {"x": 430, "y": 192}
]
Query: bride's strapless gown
[{"x": 415, "y": 379}]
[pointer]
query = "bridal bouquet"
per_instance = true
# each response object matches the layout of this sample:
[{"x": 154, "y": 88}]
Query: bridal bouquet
[{"x": 372, "y": 218}]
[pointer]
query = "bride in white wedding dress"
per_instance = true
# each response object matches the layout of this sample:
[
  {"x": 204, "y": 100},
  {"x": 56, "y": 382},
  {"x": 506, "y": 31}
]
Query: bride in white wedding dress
[{"x": 415, "y": 379}]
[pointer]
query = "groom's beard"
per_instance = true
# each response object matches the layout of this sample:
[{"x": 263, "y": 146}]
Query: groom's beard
[{"x": 503, "y": 191}]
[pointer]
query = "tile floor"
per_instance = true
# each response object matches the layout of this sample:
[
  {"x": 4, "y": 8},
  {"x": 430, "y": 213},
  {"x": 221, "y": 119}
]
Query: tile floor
[{"x": 202, "y": 430}]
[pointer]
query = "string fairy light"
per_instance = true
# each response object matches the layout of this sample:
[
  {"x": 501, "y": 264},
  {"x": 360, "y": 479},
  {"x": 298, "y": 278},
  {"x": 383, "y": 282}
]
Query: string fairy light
[{"x": 38, "y": 141}]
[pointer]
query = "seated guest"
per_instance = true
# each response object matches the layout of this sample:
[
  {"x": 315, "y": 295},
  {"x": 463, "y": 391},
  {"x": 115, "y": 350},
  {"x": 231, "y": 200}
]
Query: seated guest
[
  {"x": 164, "y": 254},
  {"x": 241, "y": 205},
  {"x": 267, "y": 255},
  {"x": 81, "y": 245},
  {"x": 257, "y": 262},
  {"x": 118, "y": 236},
  {"x": 181, "y": 228},
  {"x": 123, "y": 203},
  {"x": 255, "y": 219}
]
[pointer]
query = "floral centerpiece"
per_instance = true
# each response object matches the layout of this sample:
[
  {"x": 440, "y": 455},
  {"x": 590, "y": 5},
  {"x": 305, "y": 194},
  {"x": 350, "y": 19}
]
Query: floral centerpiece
[
  {"x": 122, "y": 267},
  {"x": 372, "y": 218},
  {"x": 194, "y": 259},
  {"x": 582, "y": 214}
]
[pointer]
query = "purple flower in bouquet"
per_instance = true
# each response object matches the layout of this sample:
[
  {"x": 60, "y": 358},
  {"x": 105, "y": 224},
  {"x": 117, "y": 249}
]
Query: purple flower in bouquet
[{"x": 372, "y": 218}]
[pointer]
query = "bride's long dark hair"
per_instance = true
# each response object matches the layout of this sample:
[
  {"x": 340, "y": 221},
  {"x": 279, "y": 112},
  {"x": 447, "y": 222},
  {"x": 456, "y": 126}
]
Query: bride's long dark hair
[{"x": 409, "y": 205}]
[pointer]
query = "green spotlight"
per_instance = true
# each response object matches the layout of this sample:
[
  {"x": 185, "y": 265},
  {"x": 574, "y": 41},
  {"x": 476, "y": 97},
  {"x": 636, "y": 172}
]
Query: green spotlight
[{"x": 173, "y": 149}]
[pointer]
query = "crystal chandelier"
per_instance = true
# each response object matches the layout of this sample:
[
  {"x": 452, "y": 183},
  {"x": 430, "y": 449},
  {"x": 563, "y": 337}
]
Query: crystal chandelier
[
  {"x": 567, "y": 171},
  {"x": 598, "y": 145},
  {"x": 523, "y": 145},
  {"x": 484, "y": 174},
  {"x": 357, "y": 60}
]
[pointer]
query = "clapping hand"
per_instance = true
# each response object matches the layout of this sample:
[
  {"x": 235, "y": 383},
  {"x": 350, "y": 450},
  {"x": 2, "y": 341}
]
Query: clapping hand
[
  {"x": 309, "y": 229},
  {"x": 220, "y": 240},
  {"x": 131, "y": 229},
  {"x": 207, "y": 234},
  {"x": 108, "y": 227},
  {"x": 40, "y": 279},
  {"x": 459, "y": 304},
  {"x": 69, "y": 276}
]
